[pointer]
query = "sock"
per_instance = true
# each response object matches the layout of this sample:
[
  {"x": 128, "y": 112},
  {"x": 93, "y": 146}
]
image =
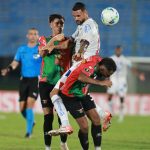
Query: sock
[
  {"x": 97, "y": 148},
  {"x": 29, "y": 119},
  {"x": 63, "y": 137},
  {"x": 83, "y": 137},
  {"x": 47, "y": 147},
  {"x": 96, "y": 132},
  {"x": 24, "y": 113},
  {"x": 48, "y": 120},
  {"x": 110, "y": 103},
  {"x": 121, "y": 113},
  {"x": 100, "y": 111},
  {"x": 61, "y": 110}
]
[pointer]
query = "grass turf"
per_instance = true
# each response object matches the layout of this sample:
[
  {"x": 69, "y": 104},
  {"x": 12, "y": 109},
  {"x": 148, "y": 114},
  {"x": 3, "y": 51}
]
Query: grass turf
[{"x": 132, "y": 134}]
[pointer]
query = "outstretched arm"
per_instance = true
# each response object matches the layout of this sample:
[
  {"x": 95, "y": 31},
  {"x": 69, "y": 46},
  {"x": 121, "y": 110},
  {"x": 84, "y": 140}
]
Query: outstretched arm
[
  {"x": 140, "y": 75},
  {"x": 14, "y": 64}
]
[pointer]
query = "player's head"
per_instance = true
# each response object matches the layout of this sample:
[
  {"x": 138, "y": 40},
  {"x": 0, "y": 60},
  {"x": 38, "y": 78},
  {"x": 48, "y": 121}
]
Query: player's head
[
  {"x": 56, "y": 22},
  {"x": 32, "y": 35},
  {"x": 118, "y": 50},
  {"x": 107, "y": 67},
  {"x": 79, "y": 13}
]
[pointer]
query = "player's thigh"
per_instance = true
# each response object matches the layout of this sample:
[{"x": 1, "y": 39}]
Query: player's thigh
[
  {"x": 44, "y": 90},
  {"x": 122, "y": 90},
  {"x": 90, "y": 109},
  {"x": 23, "y": 90},
  {"x": 33, "y": 88}
]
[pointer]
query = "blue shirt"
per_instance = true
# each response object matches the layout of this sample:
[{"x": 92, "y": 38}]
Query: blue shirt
[{"x": 30, "y": 60}]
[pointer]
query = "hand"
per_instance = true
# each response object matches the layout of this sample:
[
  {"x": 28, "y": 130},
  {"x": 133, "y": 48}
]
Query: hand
[
  {"x": 77, "y": 57},
  {"x": 50, "y": 49},
  {"x": 4, "y": 72},
  {"x": 142, "y": 76},
  {"x": 107, "y": 83}
]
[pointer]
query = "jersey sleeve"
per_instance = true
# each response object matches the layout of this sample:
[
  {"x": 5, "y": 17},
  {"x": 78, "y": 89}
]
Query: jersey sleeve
[
  {"x": 41, "y": 42},
  {"x": 18, "y": 55},
  {"x": 75, "y": 34}
]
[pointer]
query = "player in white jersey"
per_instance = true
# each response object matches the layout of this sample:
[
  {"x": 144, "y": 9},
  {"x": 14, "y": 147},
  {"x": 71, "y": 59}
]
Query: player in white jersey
[
  {"x": 119, "y": 80},
  {"x": 87, "y": 44}
]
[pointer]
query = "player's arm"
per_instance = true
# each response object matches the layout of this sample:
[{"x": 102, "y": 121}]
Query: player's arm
[
  {"x": 83, "y": 45},
  {"x": 68, "y": 43},
  {"x": 140, "y": 75},
  {"x": 85, "y": 79},
  {"x": 10, "y": 68}
]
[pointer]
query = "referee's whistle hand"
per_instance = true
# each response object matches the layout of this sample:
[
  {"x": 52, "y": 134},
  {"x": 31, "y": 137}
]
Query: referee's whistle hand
[{"x": 4, "y": 72}]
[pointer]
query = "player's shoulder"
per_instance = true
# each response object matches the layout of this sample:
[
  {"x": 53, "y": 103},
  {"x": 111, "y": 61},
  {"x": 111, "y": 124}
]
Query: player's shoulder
[
  {"x": 22, "y": 47},
  {"x": 89, "y": 24},
  {"x": 113, "y": 56}
]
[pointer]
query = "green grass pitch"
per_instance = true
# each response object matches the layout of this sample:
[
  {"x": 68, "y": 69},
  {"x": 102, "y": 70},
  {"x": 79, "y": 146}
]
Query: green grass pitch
[{"x": 132, "y": 134}]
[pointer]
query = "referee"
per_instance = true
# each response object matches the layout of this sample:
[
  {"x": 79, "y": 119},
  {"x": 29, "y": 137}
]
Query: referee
[{"x": 27, "y": 56}]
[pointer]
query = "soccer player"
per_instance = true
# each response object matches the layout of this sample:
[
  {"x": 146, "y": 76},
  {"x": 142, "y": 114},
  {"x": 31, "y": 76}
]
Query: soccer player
[
  {"x": 87, "y": 44},
  {"x": 53, "y": 66},
  {"x": 27, "y": 56},
  {"x": 119, "y": 79},
  {"x": 77, "y": 100}
]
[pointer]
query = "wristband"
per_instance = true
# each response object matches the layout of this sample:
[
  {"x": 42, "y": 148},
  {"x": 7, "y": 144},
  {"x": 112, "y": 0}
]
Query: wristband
[{"x": 9, "y": 68}]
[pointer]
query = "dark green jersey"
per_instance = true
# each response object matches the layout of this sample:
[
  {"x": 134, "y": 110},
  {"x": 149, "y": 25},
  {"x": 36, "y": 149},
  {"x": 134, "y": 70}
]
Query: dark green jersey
[{"x": 50, "y": 69}]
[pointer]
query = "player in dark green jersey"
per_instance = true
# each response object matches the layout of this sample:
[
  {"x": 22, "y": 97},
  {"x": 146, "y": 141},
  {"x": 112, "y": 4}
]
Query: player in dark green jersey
[{"x": 53, "y": 65}]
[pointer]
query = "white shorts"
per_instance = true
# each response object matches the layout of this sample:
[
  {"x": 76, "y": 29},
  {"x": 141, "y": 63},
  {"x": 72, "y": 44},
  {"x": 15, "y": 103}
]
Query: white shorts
[{"x": 119, "y": 87}]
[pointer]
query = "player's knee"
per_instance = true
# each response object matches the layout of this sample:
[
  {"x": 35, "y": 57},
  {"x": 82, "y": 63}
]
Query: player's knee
[
  {"x": 22, "y": 109},
  {"x": 95, "y": 119},
  {"x": 30, "y": 102},
  {"x": 54, "y": 92},
  {"x": 47, "y": 111},
  {"x": 84, "y": 127}
]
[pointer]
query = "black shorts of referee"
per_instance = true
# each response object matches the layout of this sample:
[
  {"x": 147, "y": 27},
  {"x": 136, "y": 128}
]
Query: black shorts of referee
[{"x": 28, "y": 88}]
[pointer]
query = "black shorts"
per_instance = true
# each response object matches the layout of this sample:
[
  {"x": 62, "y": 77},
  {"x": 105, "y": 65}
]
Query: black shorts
[
  {"x": 28, "y": 88},
  {"x": 78, "y": 106},
  {"x": 45, "y": 89}
]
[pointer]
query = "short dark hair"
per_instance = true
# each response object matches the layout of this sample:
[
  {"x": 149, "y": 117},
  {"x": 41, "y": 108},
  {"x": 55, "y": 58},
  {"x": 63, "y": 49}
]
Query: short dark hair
[
  {"x": 109, "y": 64},
  {"x": 118, "y": 46},
  {"x": 79, "y": 6},
  {"x": 54, "y": 16},
  {"x": 33, "y": 28}
]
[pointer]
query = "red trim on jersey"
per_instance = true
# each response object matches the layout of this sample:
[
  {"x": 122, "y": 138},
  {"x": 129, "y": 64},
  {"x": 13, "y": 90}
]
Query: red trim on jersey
[{"x": 73, "y": 77}]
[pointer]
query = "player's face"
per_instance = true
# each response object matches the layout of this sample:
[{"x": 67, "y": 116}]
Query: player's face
[
  {"x": 118, "y": 51},
  {"x": 79, "y": 16},
  {"x": 57, "y": 26},
  {"x": 33, "y": 36},
  {"x": 104, "y": 72}
]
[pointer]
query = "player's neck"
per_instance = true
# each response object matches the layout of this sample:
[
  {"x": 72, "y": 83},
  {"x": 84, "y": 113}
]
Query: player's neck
[
  {"x": 54, "y": 34},
  {"x": 32, "y": 44}
]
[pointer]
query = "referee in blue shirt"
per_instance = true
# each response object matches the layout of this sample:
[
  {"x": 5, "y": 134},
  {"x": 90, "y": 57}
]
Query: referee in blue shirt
[{"x": 27, "y": 56}]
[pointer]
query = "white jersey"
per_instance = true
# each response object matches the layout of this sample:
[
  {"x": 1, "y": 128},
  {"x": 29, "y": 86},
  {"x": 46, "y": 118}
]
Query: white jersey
[
  {"x": 119, "y": 78},
  {"x": 122, "y": 67},
  {"x": 88, "y": 31}
]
